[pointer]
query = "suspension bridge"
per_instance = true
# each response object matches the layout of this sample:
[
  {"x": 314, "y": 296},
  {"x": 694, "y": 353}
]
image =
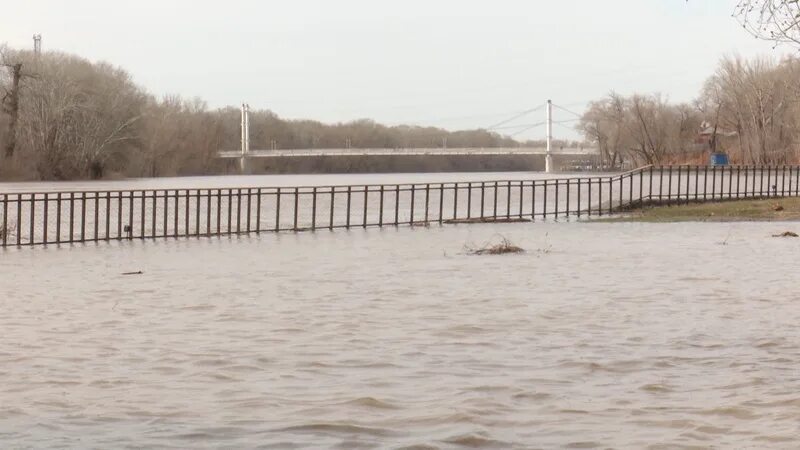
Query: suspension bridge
[{"x": 510, "y": 127}]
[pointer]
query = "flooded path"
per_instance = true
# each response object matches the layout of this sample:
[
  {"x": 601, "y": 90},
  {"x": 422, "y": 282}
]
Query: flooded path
[{"x": 599, "y": 336}]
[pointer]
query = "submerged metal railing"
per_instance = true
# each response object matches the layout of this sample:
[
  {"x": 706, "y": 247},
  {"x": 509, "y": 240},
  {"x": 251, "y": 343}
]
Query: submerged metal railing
[{"x": 40, "y": 218}]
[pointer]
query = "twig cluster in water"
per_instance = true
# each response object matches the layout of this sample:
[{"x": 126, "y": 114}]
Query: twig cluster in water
[
  {"x": 505, "y": 247},
  {"x": 786, "y": 234}
]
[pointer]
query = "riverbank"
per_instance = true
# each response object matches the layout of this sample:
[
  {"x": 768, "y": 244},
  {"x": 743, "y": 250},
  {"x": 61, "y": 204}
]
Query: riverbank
[{"x": 771, "y": 209}]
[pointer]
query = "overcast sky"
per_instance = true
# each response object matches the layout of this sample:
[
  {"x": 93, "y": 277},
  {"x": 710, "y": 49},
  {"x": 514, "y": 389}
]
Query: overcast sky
[{"x": 449, "y": 63}]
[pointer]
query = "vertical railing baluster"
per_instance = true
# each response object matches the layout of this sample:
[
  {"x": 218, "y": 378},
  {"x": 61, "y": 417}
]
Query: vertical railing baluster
[
  {"x": 611, "y": 194},
  {"x": 441, "y": 203},
  {"x": 555, "y": 203},
  {"x": 589, "y": 198},
  {"x": 5, "y": 220},
  {"x": 521, "y": 198},
  {"x": 32, "y": 231},
  {"x": 600, "y": 192},
  {"x": 165, "y": 234},
  {"x": 544, "y": 200},
  {"x": 366, "y": 200},
  {"x": 19, "y": 220},
  {"x": 567, "y": 211},
  {"x": 258, "y": 211},
  {"x": 46, "y": 218},
  {"x": 397, "y": 205},
  {"x": 427, "y": 201},
  {"x": 96, "y": 216},
  {"x": 366, "y": 211},
  {"x": 249, "y": 208},
  {"x": 296, "y": 207},
  {"x": 455, "y": 201},
  {"x": 219, "y": 212},
  {"x": 71, "y": 217},
  {"x": 349, "y": 193},
  {"x": 209, "y": 194},
  {"x": 239, "y": 209},
  {"x": 579, "y": 196},
  {"x": 278, "y": 210},
  {"x": 380, "y": 203},
  {"x": 496, "y": 185},
  {"x": 508, "y": 199},
  {"x": 413, "y": 199},
  {"x": 483, "y": 198},
  {"x": 533, "y": 200},
  {"x": 313, "y": 209},
  {"x": 333, "y": 205},
  {"x": 197, "y": 212},
  {"x": 469, "y": 200}
]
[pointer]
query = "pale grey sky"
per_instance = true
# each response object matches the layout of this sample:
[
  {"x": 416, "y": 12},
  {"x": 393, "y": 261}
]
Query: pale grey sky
[{"x": 449, "y": 63}]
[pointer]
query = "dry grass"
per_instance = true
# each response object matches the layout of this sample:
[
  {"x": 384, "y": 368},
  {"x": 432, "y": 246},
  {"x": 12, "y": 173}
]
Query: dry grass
[
  {"x": 773, "y": 209},
  {"x": 504, "y": 247}
]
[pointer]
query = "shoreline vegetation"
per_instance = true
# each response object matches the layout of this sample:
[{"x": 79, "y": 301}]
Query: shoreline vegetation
[
  {"x": 63, "y": 117},
  {"x": 750, "y": 210}
]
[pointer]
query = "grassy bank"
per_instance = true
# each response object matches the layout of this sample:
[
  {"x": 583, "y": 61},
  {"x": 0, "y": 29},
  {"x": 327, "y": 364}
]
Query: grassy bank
[{"x": 773, "y": 209}]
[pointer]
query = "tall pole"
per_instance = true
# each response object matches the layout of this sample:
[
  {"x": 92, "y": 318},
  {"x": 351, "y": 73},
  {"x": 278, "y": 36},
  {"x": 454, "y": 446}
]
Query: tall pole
[
  {"x": 548, "y": 159},
  {"x": 245, "y": 137},
  {"x": 37, "y": 44}
]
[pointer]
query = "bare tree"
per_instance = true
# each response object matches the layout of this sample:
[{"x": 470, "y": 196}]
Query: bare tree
[
  {"x": 10, "y": 101},
  {"x": 772, "y": 20}
]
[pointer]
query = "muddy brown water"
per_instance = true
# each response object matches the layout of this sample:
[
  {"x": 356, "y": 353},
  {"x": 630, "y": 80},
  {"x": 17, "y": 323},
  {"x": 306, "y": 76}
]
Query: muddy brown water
[{"x": 599, "y": 336}]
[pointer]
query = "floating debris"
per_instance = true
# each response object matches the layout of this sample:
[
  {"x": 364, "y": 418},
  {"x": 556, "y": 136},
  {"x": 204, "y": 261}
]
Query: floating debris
[
  {"x": 132, "y": 273},
  {"x": 786, "y": 234},
  {"x": 777, "y": 208},
  {"x": 505, "y": 247}
]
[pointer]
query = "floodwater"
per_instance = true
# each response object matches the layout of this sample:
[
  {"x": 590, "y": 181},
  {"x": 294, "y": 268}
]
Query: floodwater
[{"x": 599, "y": 336}]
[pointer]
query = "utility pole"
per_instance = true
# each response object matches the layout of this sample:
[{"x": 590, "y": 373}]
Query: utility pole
[
  {"x": 37, "y": 44},
  {"x": 245, "y": 137},
  {"x": 548, "y": 159}
]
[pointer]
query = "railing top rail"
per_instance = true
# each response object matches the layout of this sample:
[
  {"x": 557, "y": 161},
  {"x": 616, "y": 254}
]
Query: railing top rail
[{"x": 269, "y": 189}]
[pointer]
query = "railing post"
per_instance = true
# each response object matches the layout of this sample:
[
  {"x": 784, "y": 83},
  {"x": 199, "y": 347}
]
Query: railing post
[
  {"x": 544, "y": 201},
  {"x": 610, "y": 196},
  {"x": 579, "y": 197},
  {"x": 669, "y": 186},
  {"x": 566, "y": 213},
  {"x": 521, "y": 198},
  {"x": 441, "y": 203}
]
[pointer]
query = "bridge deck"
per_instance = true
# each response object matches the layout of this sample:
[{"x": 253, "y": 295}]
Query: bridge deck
[{"x": 403, "y": 151}]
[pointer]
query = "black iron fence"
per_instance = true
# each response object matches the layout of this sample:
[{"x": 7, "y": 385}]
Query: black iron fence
[{"x": 39, "y": 218}]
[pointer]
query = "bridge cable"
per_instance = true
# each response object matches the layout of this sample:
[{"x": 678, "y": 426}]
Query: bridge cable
[{"x": 522, "y": 114}]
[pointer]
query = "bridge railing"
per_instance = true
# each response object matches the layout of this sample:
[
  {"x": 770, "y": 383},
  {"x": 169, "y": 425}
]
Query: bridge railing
[{"x": 37, "y": 218}]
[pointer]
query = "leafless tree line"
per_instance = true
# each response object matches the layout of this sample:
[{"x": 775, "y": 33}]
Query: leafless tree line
[
  {"x": 749, "y": 109},
  {"x": 64, "y": 117}
]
